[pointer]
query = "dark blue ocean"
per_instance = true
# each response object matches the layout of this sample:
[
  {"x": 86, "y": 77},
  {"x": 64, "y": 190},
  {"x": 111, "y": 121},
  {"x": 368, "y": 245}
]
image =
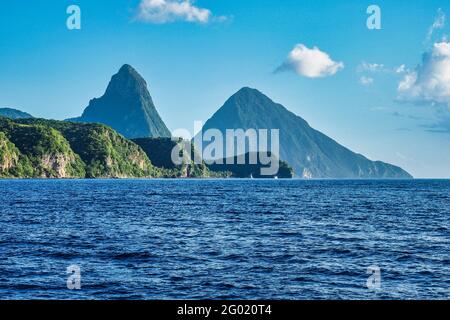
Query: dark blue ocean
[{"x": 224, "y": 239}]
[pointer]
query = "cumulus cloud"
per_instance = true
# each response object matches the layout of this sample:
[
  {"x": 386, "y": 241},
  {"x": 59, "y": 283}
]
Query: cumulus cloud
[
  {"x": 430, "y": 81},
  {"x": 310, "y": 63},
  {"x": 165, "y": 11}
]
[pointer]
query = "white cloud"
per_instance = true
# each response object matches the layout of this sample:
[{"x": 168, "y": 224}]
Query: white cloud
[
  {"x": 430, "y": 82},
  {"x": 370, "y": 67},
  {"x": 378, "y": 108},
  {"x": 400, "y": 69},
  {"x": 366, "y": 81},
  {"x": 165, "y": 11},
  {"x": 366, "y": 67},
  {"x": 368, "y": 70},
  {"x": 439, "y": 23},
  {"x": 310, "y": 63}
]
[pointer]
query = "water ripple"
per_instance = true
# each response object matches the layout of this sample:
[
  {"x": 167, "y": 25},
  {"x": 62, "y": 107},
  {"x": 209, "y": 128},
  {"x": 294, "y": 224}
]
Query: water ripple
[{"x": 224, "y": 239}]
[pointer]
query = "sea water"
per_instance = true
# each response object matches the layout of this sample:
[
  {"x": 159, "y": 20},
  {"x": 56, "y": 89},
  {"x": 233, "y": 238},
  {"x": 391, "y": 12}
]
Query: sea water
[{"x": 225, "y": 239}]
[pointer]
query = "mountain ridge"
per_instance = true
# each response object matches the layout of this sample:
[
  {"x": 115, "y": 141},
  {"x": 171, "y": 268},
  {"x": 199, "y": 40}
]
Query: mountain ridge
[
  {"x": 40, "y": 148},
  {"x": 127, "y": 107},
  {"x": 311, "y": 153},
  {"x": 14, "y": 113}
]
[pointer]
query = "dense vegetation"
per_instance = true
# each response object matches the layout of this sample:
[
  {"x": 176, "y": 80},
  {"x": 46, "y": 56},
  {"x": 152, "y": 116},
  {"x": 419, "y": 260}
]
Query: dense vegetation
[
  {"x": 104, "y": 152},
  {"x": 11, "y": 163},
  {"x": 37, "y": 151},
  {"x": 159, "y": 151},
  {"x": 38, "y": 148},
  {"x": 251, "y": 170},
  {"x": 57, "y": 149}
]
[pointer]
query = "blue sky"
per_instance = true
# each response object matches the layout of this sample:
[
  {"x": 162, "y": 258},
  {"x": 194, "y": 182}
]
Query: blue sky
[{"x": 194, "y": 60}]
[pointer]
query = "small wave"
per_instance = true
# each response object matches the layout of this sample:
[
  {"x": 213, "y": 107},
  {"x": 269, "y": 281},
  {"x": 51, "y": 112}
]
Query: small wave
[{"x": 132, "y": 255}]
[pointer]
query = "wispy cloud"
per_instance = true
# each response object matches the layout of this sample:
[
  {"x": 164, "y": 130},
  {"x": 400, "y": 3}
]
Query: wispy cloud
[
  {"x": 442, "y": 125},
  {"x": 439, "y": 23},
  {"x": 407, "y": 116},
  {"x": 167, "y": 11},
  {"x": 403, "y": 129},
  {"x": 369, "y": 70},
  {"x": 310, "y": 63},
  {"x": 366, "y": 81},
  {"x": 378, "y": 108},
  {"x": 365, "y": 67},
  {"x": 370, "y": 67},
  {"x": 400, "y": 69}
]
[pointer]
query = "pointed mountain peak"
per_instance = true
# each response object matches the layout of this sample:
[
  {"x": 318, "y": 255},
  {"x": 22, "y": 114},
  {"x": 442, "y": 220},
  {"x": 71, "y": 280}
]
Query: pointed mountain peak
[
  {"x": 127, "y": 81},
  {"x": 128, "y": 71},
  {"x": 249, "y": 100},
  {"x": 246, "y": 90},
  {"x": 311, "y": 153},
  {"x": 127, "y": 107},
  {"x": 248, "y": 94}
]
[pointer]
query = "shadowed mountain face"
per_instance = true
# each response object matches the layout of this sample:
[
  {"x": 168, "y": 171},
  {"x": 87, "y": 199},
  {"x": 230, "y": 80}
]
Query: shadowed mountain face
[
  {"x": 311, "y": 153},
  {"x": 14, "y": 114},
  {"x": 127, "y": 107}
]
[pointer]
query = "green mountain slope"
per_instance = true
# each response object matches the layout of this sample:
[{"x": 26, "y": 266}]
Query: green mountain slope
[
  {"x": 127, "y": 107},
  {"x": 311, "y": 153},
  {"x": 57, "y": 149},
  {"x": 41, "y": 152},
  {"x": 11, "y": 163}
]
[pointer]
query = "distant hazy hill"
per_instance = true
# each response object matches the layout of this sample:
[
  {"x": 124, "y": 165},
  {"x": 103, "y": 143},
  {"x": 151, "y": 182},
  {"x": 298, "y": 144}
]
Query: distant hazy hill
[
  {"x": 127, "y": 107},
  {"x": 14, "y": 113},
  {"x": 311, "y": 153}
]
